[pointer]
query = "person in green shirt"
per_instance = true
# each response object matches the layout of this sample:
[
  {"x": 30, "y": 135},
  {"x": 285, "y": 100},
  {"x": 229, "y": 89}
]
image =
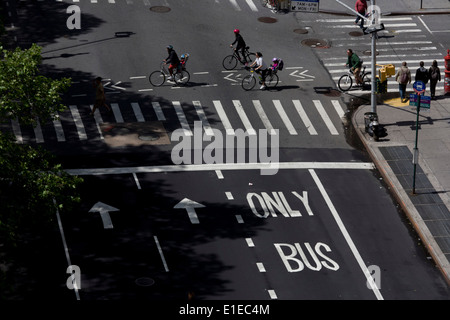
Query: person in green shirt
[{"x": 354, "y": 63}]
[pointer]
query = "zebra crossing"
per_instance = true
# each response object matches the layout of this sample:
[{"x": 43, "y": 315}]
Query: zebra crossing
[
  {"x": 291, "y": 117},
  {"x": 404, "y": 39},
  {"x": 237, "y": 5}
]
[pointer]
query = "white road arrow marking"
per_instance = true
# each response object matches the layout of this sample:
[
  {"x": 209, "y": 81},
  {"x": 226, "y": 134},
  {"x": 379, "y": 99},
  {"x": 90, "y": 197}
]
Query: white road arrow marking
[
  {"x": 228, "y": 77},
  {"x": 104, "y": 211},
  {"x": 190, "y": 206},
  {"x": 302, "y": 75},
  {"x": 113, "y": 86}
]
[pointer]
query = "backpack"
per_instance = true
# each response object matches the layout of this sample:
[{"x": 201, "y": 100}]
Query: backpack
[
  {"x": 434, "y": 73},
  {"x": 404, "y": 77},
  {"x": 280, "y": 65}
]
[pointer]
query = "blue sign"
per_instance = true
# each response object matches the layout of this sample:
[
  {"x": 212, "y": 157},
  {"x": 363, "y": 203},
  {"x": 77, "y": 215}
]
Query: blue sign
[{"x": 419, "y": 87}]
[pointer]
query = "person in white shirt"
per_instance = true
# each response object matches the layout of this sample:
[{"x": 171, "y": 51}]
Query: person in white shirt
[{"x": 261, "y": 68}]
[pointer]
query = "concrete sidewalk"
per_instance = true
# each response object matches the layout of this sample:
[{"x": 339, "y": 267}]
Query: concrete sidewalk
[{"x": 428, "y": 208}]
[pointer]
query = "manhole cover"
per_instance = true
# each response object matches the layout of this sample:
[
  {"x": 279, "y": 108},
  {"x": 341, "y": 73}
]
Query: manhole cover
[
  {"x": 369, "y": 53},
  {"x": 267, "y": 19},
  {"x": 160, "y": 9},
  {"x": 315, "y": 43},
  {"x": 301, "y": 31},
  {"x": 149, "y": 137},
  {"x": 356, "y": 33},
  {"x": 145, "y": 282}
]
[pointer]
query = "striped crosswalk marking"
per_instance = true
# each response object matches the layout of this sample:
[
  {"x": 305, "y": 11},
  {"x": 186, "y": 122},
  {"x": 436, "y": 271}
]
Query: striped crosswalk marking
[
  {"x": 298, "y": 106},
  {"x": 337, "y": 106},
  {"x": 182, "y": 118},
  {"x": 158, "y": 111},
  {"x": 235, "y": 5},
  {"x": 137, "y": 112},
  {"x": 262, "y": 114},
  {"x": 325, "y": 117},
  {"x": 38, "y": 132},
  {"x": 244, "y": 118},
  {"x": 284, "y": 117},
  {"x": 98, "y": 120},
  {"x": 202, "y": 116},
  {"x": 223, "y": 117},
  {"x": 16, "y": 130},
  {"x": 59, "y": 130},
  {"x": 117, "y": 114},
  {"x": 78, "y": 122},
  {"x": 251, "y": 5}
]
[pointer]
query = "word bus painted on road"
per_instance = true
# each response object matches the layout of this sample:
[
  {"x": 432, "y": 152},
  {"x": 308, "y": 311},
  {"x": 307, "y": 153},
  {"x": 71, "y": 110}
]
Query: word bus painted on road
[{"x": 276, "y": 202}]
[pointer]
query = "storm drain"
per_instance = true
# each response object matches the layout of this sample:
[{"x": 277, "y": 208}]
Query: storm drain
[
  {"x": 144, "y": 282},
  {"x": 316, "y": 43},
  {"x": 301, "y": 31},
  {"x": 160, "y": 9},
  {"x": 356, "y": 33},
  {"x": 149, "y": 137},
  {"x": 267, "y": 19}
]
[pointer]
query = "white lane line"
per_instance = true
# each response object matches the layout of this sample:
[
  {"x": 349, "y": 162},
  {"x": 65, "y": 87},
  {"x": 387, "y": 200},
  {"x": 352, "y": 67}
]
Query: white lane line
[
  {"x": 325, "y": 117},
  {"x": 346, "y": 235},
  {"x": 252, "y": 5},
  {"x": 250, "y": 242},
  {"x": 161, "y": 253},
  {"x": 202, "y": 116},
  {"x": 137, "y": 181},
  {"x": 38, "y": 132},
  {"x": 244, "y": 118},
  {"x": 337, "y": 106},
  {"x": 298, "y": 106},
  {"x": 219, "y": 174},
  {"x": 16, "y": 130},
  {"x": 426, "y": 27},
  {"x": 116, "y": 110},
  {"x": 78, "y": 122},
  {"x": 138, "y": 77},
  {"x": 59, "y": 130},
  {"x": 225, "y": 166},
  {"x": 182, "y": 118},
  {"x": 272, "y": 294},
  {"x": 158, "y": 111},
  {"x": 235, "y": 5},
  {"x": 284, "y": 117},
  {"x": 223, "y": 117},
  {"x": 260, "y": 266},
  {"x": 239, "y": 218},
  {"x": 229, "y": 195},
  {"x": 98, "y": 120},
  {"x": 265, "y": 120},
  {"x": 137, "y": 112}
]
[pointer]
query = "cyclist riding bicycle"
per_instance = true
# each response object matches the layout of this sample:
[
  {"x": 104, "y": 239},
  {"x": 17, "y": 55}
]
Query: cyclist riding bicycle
[
  {"x": 354, "y": 63},
  {"x": 261, "y": 68},
  {"x": 172, "y": 60},
  {"x": 240, "y": 45}
]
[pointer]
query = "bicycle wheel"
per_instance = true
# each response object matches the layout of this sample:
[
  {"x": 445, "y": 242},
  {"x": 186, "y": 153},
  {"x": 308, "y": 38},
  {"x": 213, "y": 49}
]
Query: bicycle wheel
[
  {"x": 367, "y": 80},
  {"x": 182, "y": 77},
  {"x": 251, "y": 57},
  {"x": 345, "y": 82},
  {"x": 229, "y": 62},
  {"x": 271, "y": 80},
  {"x": 248, "y": 82},
  {"x": 157, "y": 78}
]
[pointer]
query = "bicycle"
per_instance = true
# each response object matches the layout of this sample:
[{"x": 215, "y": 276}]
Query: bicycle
[
  {"x": 230, "y": 61},
  {"x": 272, "y": 4},
  {"x": 345, "y": 82},
  {"x": 249, "y": 81},
  {"x": 180, "y": 75}
]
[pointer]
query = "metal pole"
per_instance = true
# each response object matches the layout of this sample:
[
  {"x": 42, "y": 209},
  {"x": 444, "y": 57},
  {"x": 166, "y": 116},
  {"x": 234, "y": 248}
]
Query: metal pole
[
  {"x": 373, "y": 97},
  {"x": 416, "y": 151}
]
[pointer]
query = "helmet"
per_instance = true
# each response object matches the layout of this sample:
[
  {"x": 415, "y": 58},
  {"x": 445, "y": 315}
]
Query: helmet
[
  {"x": 182, "y": 56},
  {"x": 169, "y": 47},
  {"x": 236, "y": 30},
  {"x": 274, "y": 59}
]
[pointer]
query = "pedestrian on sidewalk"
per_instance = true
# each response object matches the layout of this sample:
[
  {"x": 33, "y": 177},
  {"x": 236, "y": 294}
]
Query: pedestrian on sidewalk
[
  {"x": 100, "y": 98},
  {"x": 403, "y": 77},
  {"x": 361, "y": 8},
  {"x": 434, "y": 73},
  {"x": 421, "y": 73}
]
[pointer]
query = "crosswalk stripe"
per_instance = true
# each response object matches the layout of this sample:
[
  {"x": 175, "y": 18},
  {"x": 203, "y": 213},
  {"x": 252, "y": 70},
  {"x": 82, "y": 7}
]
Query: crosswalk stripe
[
  {"x": 201, "y": 114},
  {"x": 38, "y": 132},
  {"x": 137, "y": 112},
  {"x": 252, "y": 5},
  {"x": 16, "y": 130},
  {"x": 117, "y": 114},
  {"x": 98, "y": 120},
  {"x": 325, "y": 117},
  {"x": 182, "y": 118},
  {"x": 223, "y": 117},
  {"x": 284, "y": 117},
  {"x": 235, "y": 5},
  {"x": 337, "y": 106},
  {"x": 240, "y": 110},
  {"x": 298, "y": 106},
  {"x": 262, "y": 114},
  {"x": 78, "y": 122},
  {"x": 158, "y": 111},
  {"x": 59, "y": 130}
]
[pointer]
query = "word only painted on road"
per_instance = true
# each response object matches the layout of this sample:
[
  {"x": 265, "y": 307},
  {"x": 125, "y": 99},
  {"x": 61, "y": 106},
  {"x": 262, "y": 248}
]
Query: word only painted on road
[{"x": 265, "y": 204}]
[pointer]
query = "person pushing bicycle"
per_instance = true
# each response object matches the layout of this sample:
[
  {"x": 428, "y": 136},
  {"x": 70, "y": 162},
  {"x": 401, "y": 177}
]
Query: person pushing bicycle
[
  {"x": 172, "y": 60},
  {"x": 354, "y": 63},
  {"x": 240, "y": 45}
]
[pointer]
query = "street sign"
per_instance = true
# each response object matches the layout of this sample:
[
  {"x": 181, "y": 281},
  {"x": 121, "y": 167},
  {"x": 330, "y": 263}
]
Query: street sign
[
  {"x": 425, "y": 101},
  {"x": 305, "y": 5},
  {"x": 419, "y": 87}
]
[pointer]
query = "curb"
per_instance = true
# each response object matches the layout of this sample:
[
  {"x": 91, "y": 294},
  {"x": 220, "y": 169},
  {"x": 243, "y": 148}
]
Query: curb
[{"x": 407, "y": 206}]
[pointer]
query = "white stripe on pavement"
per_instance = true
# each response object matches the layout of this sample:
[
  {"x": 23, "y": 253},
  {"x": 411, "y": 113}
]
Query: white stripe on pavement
[
  {"x": 337, "y": 106},
  {"x": 325, "y": 117},
  {"x": 116, "y": 110},
  {"x": 182, "y": 118},
  {"x": 223, "y": 117},
  {"x": 202, "y": 116},
  {"x": 158, "y": 111},
  {"x": 59, "y": 130},
  {"x": 17, "y": 132},
  {"x": 298, "y": 106},
  {"x": 78, "y": 122},
  {"x": 262, "y": 114},
  {"x": 38, "y": 132},
  {"x": 98, "y": 120},
  {"x": 284, "y": 117},
  {"x": 137, "y": 112},
  {"x": 244, "y": 118}
]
